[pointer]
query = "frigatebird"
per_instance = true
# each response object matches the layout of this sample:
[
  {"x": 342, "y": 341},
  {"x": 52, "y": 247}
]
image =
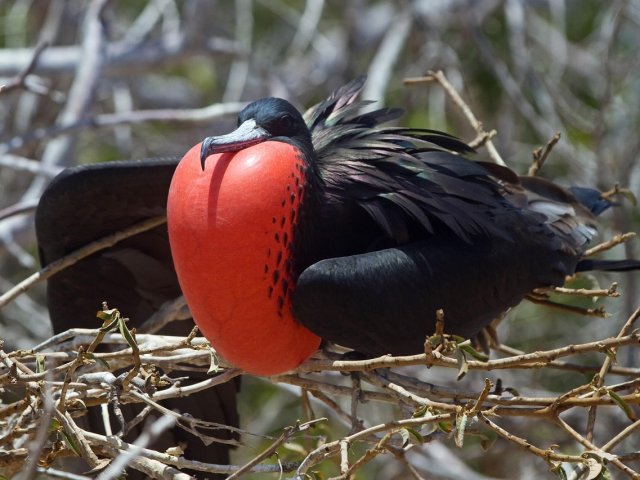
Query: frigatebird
[
  {"x": 333, "y": 226},
  {"x": 345, "y": 229}
]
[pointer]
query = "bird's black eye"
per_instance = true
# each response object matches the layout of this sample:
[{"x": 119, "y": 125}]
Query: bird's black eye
[{"x": 286, "y": 121}]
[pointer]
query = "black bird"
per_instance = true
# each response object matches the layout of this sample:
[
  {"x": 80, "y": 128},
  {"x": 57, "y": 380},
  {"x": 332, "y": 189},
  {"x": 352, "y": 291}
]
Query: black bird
[
  {"x": 86, "y": 203},
  {"x": 387, "y": 226},
  {"x": 359, "y": 232}
]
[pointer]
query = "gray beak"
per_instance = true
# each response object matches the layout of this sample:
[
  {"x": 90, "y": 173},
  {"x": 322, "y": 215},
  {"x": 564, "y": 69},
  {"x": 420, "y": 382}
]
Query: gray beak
[{"x": 247, "y": 134}]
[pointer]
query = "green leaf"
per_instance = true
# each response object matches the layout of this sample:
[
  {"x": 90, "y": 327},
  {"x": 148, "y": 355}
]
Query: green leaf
[
  {"x": 421, "y": 411},
  {"x": 126, "y": 333},
  {"x": 406, "y": 438},
  {"x": 107, "y": 315},
  {"x": 596, "y": 466},
  {"x": 40, "y": 366},
  {"x": 71, "y": 443},
  {"x": 462, "y": 361},
  {"x": 410, "y": 435},
  {"x": 295, "y": 447},
  {"x": 109, "y": 318},
  {"x": 435, "y": 340},
  {"x": 628, "y": 411},
  {"x": 446, "y": 427},
  {"x": 54, "y": 426},
  {"x": 468, "y": 349}
]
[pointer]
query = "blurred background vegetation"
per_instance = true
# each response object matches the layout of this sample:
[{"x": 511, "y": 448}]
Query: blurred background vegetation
[{"x": 527, "y": 69}]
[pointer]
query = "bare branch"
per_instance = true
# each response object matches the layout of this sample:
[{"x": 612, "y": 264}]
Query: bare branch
[
  {"x": 540, "y": 154},
  {"x": 484, "y": 138},
  {"x": 19, "y": 81}
]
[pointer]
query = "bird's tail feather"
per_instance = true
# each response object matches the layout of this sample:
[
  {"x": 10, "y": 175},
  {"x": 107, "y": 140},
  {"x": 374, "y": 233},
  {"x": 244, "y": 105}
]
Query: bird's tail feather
[
  {"x": 608, "y": 265},
  {"x": 592, "y": 199}
]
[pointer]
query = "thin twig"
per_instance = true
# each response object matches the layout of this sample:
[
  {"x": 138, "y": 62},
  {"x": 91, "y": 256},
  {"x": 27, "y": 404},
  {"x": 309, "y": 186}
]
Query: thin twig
[
  {"x": 283, "y": 438},
  {"x": 148, "y": 435},
  {"x": 522, "y": 443},
  {"x": 598, "y": 451},
  {"x": 612, "y": 291},
  {"x": 598, "y": 312},
  {"x": 19, "y": 81},
  {"x": 440, "y": 78},
  {"x": 609, "y": 244},
  {"x": 333, "y": 447},
  {"x": 606, "y": 365},
  {"x": 540, "y": 154},
  {"x": 78, "y": 436},
  {"x": 529, "y": 360}
]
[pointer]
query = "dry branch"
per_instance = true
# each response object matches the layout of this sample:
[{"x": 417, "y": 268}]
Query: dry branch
[
  {"x": 58, "y": 368},
  {"x": 433, "y": 405},
  {"x": 483, "y": 137}
]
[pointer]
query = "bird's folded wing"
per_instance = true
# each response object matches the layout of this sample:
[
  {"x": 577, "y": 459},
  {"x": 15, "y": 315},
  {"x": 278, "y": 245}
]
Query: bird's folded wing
[{"x": 386, "y": 301}]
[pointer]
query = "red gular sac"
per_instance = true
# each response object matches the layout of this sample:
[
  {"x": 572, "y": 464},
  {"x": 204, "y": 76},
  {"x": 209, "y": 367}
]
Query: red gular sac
[{"x": 230, "y": 229}]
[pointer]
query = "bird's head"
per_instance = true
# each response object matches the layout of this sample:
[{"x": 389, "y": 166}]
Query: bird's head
[{"x": 265, "y": 119}]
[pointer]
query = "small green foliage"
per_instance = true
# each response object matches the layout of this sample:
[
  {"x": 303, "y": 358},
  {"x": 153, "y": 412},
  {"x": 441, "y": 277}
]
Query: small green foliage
[
  {"x": 626, "y": 408},
  {"x": 70, "y": 441},
  {"x": 445, "y": 426},
  {"x": 126, "y": 333},
  {"x": 462, "y": 361},
  {"x": 468, "y": 349},
  {"x": 411, "y": 436},
  {"x": 109, "y": 317},
  {"x": 421, "y": 411},
  {"x": 54, "y": 426},
  {"x": 40, "y": 365}
]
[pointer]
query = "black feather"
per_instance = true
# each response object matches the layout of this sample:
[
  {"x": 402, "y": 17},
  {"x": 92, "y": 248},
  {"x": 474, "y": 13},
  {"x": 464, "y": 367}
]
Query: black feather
[
  {"x": 608, "y": 265},
  {"x": 592, "y": 199}
]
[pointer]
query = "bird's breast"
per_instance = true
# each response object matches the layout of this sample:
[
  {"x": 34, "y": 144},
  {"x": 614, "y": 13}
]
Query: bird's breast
[{"x": 231, "y": 229}]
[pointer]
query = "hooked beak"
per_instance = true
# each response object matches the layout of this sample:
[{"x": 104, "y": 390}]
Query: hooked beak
[{"x": 247, "y": 134}]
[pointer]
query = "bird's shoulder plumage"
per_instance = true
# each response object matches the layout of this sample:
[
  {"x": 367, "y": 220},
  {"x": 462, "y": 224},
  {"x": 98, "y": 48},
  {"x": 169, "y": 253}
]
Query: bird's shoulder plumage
[
  {"x": 410, "y": 179},
  {"x": 406, "y": 179}
]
